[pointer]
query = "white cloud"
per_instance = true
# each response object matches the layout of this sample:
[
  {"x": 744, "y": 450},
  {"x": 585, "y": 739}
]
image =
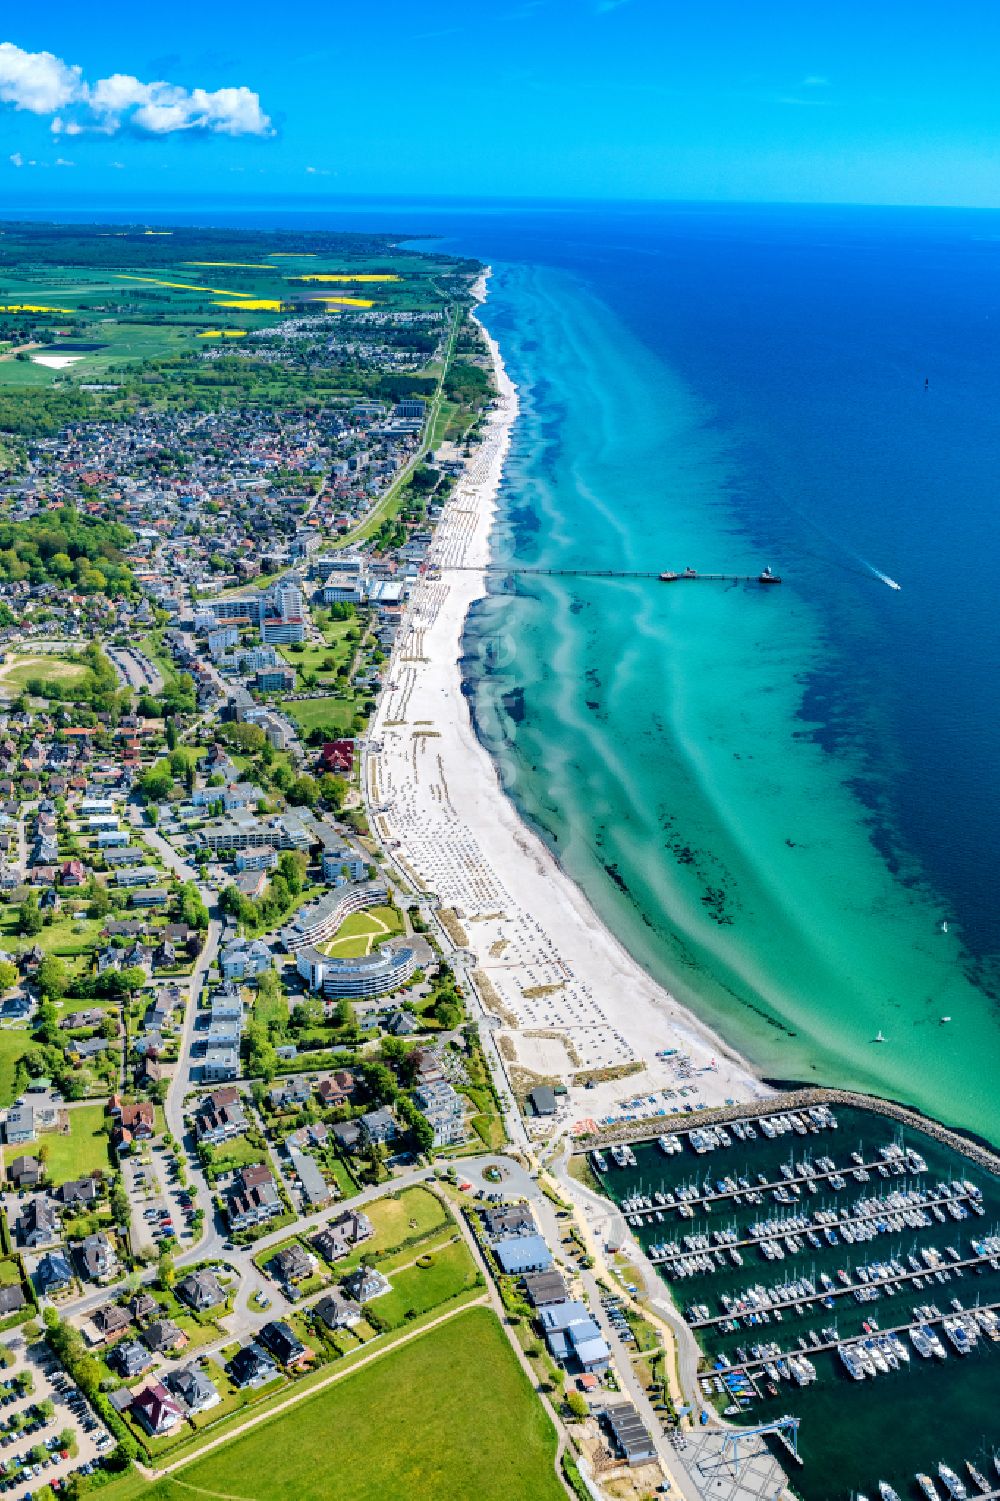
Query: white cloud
[
  {"x": 318, "y": 171},
  {"x": 37, "y": 81},
  {"x": 62, "y": 162},
  {"x": 814, "y": 81},
  {"x": 45, "y": 85},
  {"x": 17, "y": 160}
]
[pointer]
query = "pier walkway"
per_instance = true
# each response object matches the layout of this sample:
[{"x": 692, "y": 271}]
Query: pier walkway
[
  {"x": 748, "y": 1366},
  {"x": 883, "y": 1284},
  {"x": 779, "y": 1232},
  {"x": 763, "y": 1188}
]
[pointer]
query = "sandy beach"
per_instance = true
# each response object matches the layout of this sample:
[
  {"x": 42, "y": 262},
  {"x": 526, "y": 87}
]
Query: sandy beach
[{"x": 569, "y": 999}]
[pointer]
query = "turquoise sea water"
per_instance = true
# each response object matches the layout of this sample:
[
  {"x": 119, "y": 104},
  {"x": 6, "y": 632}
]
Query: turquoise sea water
[{"x": 675, "y": 743}]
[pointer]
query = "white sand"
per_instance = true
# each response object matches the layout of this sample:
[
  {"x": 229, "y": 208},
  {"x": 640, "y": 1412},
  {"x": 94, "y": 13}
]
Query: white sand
[{"x": 436, "y": 801}]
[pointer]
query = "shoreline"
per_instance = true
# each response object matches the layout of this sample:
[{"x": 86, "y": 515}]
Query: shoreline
[{"x": 568, "y": 1000}]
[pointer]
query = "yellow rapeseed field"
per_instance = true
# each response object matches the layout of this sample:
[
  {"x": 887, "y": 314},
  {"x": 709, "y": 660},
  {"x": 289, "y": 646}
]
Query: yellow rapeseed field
[
  {"x": 179, "y": 286},
  {"x": 254, "y": 305},
  {"x": 223, "y": 333},
  {"x": 339, "y": 276},
  {"x": 30, "y": 307},
  {"x": 346, "y": 301}
]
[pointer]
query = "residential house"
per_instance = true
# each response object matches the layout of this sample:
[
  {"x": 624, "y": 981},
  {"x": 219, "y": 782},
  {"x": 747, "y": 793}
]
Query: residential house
[
  {"x": 130, "y": 1359},
  {"x": 157, "y": 1410},
  {"x": 365, "y": 1283},
  {"x": 220, "y": 1117},
  {"x": 243, "y": 959},
  {"x": 163, "y": 1335},
  {"x": 252, "y": 1366},
  {"x": 111, "y": 1321},
  {"x": 201, "y": 1291},
  {"x": 291, "y": 1264},
  {"x": 337, "y": 1089},
  {"x": 78, "y": 1193},
  {"x": 522, "y": 1253},
  {"x": 53, "y": 1274},
  {"x": 192, "y": 1387},
  {"x": 338, "y": 1311},
  {"x": 38, "y": 1224},
  {"x": 378, "y": 1126},
  {"x": 278, "y": 1338},
  {"x": 253, "y": 1198},
  {"x": 25, "y": 1172},
  {"x": 19, "y": 1126},
  {"x": 340, "y": 1237},
  {"x": 97, "y": 1257}
]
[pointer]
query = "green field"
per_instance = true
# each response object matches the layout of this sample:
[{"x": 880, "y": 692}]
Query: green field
[
  {"x": 450, "y": 1414},
  {"x": 417, "y": 1289},
  {"x": 82, "y": 1150},
  {"x": 13, "y": 1044}
]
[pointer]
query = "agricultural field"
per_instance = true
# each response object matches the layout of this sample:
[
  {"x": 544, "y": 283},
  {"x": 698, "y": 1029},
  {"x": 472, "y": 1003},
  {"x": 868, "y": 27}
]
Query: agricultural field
[
  {"x": 362, "y": 932},
  {"x": 450, "y": 1413},
  {"x": 95, "y": 305}
]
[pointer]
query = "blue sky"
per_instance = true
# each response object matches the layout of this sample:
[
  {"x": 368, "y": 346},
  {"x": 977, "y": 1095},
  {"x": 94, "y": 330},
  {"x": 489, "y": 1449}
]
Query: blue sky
[{"x": 882, "y": 102}]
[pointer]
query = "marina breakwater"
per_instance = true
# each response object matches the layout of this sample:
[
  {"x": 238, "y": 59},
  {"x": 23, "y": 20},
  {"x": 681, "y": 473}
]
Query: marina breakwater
[{"x": 650, "y": 1127}]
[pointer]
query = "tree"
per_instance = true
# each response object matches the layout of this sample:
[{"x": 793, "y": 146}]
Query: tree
[
  {"x": 53, "y": 978},
  {"x": 29, "y": 918},
  {"x": 8, "y": 975},
  {"x": 192, "y": 909},
  {"x": 166, "y": 1273},
  {"x": 100, "y": 902},
  {"x": 47, "y": 1024},
  {"x": 333, "y": 790},
  {"x": 304, "y": 791}
]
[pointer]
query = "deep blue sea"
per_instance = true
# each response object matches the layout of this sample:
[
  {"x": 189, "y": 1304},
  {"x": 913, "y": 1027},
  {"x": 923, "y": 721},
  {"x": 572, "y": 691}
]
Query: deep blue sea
[{"x": 783, "y": 801}]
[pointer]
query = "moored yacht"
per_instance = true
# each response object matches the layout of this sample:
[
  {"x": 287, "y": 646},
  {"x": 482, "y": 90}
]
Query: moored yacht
[{"x": 955, "y": 1486}]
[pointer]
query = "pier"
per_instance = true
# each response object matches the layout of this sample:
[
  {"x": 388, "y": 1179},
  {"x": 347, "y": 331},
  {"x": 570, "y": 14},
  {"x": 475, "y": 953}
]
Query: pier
[
  {"x": 763, "y": 1188},
  {"x": 679, "y": 1252},
  {"x": 495, "y": 571},
  {"x": 748, "y": 1366},
  {"x": 883, "y": 1284}
]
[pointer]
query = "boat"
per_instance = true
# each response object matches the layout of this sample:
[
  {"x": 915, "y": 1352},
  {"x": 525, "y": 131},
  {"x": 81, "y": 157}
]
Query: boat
[
  {"x": 879, "y": 1036},
  {"x": 978, "y": 1478},
  {"x": 886, "y": 1492},
  {"x": 670, "y": 577},
  {"x": 928, "y": 1487},
  {"x": 954, "y": 1484},
  {"x": 767, "y": 577},
  {"x": 599, "y": 1160}
]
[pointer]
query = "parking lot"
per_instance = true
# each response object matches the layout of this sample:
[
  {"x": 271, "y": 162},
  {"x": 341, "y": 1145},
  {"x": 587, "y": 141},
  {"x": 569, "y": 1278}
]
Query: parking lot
[
  {"x": 32, "y": 1453},
  {"x": 160, "y": 1207}
]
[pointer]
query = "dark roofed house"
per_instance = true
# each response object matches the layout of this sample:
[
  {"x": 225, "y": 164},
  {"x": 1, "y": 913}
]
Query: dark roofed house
[
  {"x": 201, "y": 1291},
  {"x": 156, "y": 1409},
  {"x": 347, "y": 1135},
  {"x": 163, "y": 1335},
  {"x": 543, "y": 1100},
  {"x": 337, "y": 1239},
  {"x": 38, "y": 1224},
  {"x": 251, "y": 1366},
  {"x": 144, "y": 1307},
  {"x": 508, "y": 1220},
  {"x": 291, "y": 1264},
  {"x": 25, "y": 1172},
  {"x": 338, "y": 1311},
  {"x": 78, "y": 1191},
  {"x": 130, "y": 1359},
  {"x": 365, "y": 1283},
  {"x": 11, "y": 1299},
  {"x": 544, "y": 1288},
  {"x": 194, "y": 1389},
  {"x": 111, "y": 1321},
  {"x": 53, "y": 1273},
  {"x": 629, "y": 1433},
  {"x": 283, "y": 1343},
  {"x": 97, "y": 1257}
]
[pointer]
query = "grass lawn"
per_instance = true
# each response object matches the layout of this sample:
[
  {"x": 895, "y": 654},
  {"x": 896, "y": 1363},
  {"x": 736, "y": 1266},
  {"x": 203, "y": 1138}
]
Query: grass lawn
[
  {"x": 41, "y": 665},
  {"x": 334, "y": 714},
  {"x": 83, "y": 1149},
  {"x": 68, "y": 936},
  {"x": 417, "y": 1289},
  {"x": 363, "y": 931},
  {"x": 450, "y": 1414},
  {"x": 12, "y": 1046}
]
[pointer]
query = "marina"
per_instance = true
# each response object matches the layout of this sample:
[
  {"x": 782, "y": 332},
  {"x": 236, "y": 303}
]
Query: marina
[{"x": 880, "y": 1314}]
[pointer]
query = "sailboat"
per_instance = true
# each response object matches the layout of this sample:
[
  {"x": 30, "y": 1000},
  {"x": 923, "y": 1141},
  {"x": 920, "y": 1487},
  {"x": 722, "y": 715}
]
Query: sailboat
[{"x": 879, "y": 1036}]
